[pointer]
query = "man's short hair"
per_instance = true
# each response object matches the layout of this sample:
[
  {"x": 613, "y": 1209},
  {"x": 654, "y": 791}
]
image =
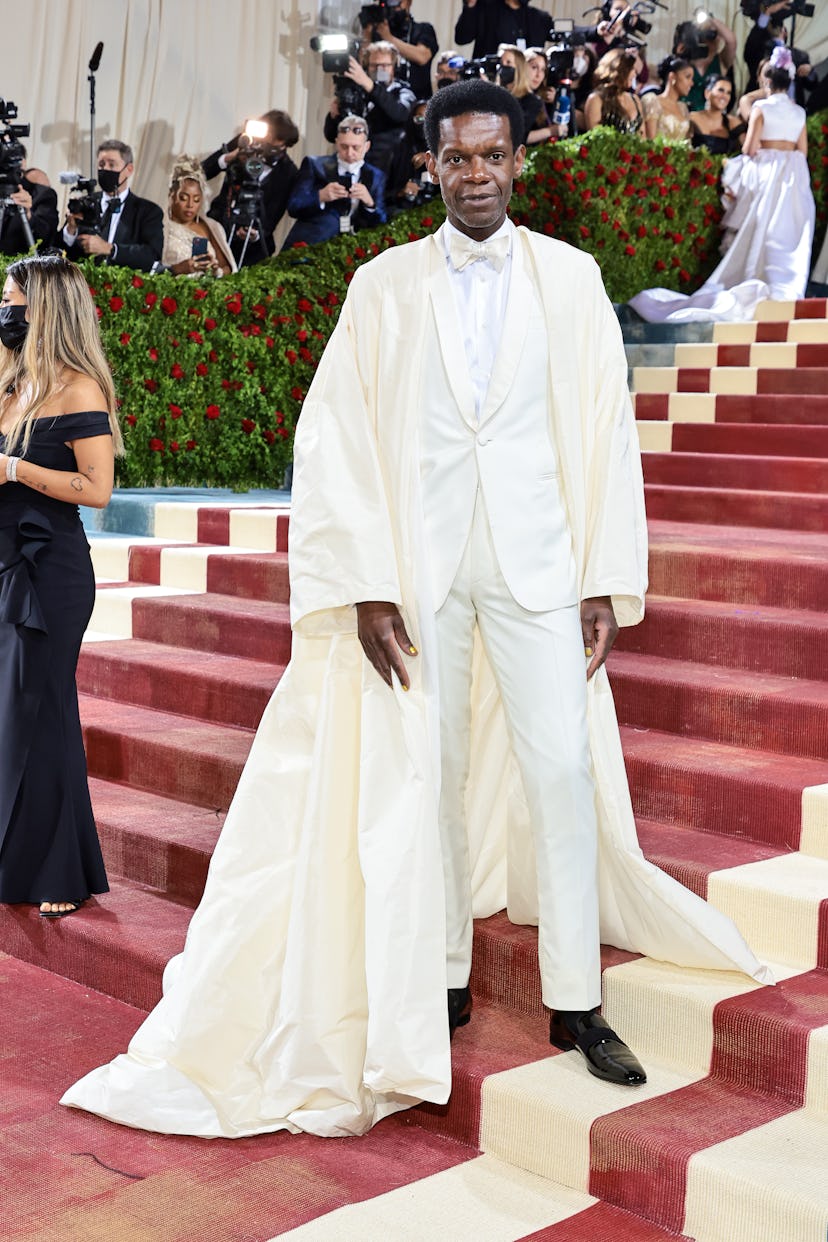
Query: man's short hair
[
  {"x": 386, "y": 48},
  {"x": 114, "y": 144},
  {"x": 282, "y": 126},
  {"x": 479, "y": 95},
  {"x": 352, "y": 120}
]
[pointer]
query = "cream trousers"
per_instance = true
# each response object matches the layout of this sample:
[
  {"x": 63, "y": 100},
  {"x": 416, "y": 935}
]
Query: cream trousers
[{"x": 538, "y": 661}]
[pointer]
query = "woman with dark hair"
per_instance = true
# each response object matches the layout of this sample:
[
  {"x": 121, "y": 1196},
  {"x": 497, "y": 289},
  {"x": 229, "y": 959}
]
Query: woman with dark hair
[
  {"x": 666, "y": 115},
  {"x": 716, "y": 128},
  {"x": 185, "y": 221},
  {"x": 613, "y": 102},
  {"x": 58, "y": 440},
  {"x": 768, "y": 224}
]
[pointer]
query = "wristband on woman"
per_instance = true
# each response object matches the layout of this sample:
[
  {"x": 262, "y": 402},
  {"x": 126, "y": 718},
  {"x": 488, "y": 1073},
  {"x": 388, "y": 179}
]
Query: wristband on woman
[{"x": 11, "y": 469}]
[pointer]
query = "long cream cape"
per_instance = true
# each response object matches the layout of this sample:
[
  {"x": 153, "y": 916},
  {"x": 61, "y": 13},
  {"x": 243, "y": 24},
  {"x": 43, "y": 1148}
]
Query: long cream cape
[{"x": 311, "y": 991}]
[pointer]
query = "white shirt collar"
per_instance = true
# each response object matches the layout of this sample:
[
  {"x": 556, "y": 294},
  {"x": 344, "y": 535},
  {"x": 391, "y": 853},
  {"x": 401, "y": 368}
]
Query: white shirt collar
[{"x": 106, "y": 199}]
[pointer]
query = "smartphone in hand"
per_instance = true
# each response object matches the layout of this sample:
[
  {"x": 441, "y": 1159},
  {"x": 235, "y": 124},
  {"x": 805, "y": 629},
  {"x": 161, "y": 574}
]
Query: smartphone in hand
[{"x": 200, "y": 247}]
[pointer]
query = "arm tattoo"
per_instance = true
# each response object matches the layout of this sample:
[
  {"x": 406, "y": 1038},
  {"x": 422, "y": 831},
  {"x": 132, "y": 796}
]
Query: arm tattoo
[{"x": 77, "y": 483}]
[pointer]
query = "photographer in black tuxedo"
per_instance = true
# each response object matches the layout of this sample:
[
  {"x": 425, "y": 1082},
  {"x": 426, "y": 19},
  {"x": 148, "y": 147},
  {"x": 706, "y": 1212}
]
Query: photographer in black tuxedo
[
  {"x": 130, "y": 230},
  {"x": 39, "y": 202},
  {"x": 237, "y": 200},
  {"x": 492, "y": 22}
]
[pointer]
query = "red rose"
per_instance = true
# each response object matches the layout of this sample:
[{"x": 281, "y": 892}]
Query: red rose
[
  {"x": 197, "y": 337},
  {"x": 280, "y": 418},
  {"x": 297, "y": 394},
  {"x": 212, "y": 411},
  {"x": 584, "y": 230},
  {"x": 199, "y": 294},
  {"x": 691, "y": 228},
  {"x": 116, "y": 304},
  {"x": 269, "y": 436},
  {"x": 269, "y": 342},
  {"x": 359, "y": 253},
  {"x": 604, "y": 217},
  {"x": 427, "y": 222},
  {"x": 94, "y": 292},
  {"x": 202, "y": 368},
  {"x": 291, "y": 356},
  {"x": 613, "y": 177},
  {"x": 169, "y": 306},
  {"x": 661, "y": 266},
  {"x": 213, "y": 356},
  {"x": 150, "y": 385},
  {"x": 137, "y": 282},
  {"x": 642, "y": 230},
  {"x": 125, "y": 338},
  {"x": 174, "y": 446},
  {"x": 248, "y": 425},
  {"x": 157, "y": 446},
  {"x": 175, "y": 410},
  {"x": 630, "y": 250},
  {"x": 583, "y": 152},
  {"x": 233, "y": 303},
  {"x": 210, "y": 324},
  {"x": 153, "y": 353},
  {"x": 305, "y": 354},
  {"x": 283, "y": 433},
  {"x": 130, "y": 420},
  {"x": 669, "y": 212},
  {"x": 191, "y": 444},
  {"x": 177, "y": 371},
  {"x": 251, "y": 366},
  {"x": 258, "y": 310},
  {"x": 99, "y": 312},
  {"x": 304, "y": 305}
]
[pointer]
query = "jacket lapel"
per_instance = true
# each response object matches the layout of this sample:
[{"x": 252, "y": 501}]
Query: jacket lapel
[
  {"x": 124, "y": 229},
  {"x": 449, "y": 334},
  {"x": 519, "y": 304}
]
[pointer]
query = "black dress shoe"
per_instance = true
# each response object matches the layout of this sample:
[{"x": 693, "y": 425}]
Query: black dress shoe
[
  {"x": 606, "y": 1055},
  {"x": 459, "y": 1008}
]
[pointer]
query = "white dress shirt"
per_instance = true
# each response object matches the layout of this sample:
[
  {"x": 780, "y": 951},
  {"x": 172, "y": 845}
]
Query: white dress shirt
[{"x": 480, "y": 296}]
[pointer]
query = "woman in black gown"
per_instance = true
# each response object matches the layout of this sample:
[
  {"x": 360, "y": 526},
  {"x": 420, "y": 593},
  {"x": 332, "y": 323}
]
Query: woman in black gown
[{"x": 58, "y": 440}]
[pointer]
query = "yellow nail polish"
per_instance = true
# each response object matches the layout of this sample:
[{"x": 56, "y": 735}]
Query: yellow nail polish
[
  {"x": 405, "y": 688},
  {"x": 412, "y": 650},
  {"x": 588, "y": 651}
]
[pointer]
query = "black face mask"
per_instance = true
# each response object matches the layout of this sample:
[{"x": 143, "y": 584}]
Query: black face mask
[
  {"x": 506, "y": 75},
  {"x": 441, "y": 82},
  {"x": 14, "y": 326},
  {"x": 108, "y": 179}
]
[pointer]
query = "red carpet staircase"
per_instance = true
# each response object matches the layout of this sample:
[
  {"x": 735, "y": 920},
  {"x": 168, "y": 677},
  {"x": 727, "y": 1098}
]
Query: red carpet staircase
[{"x": 723, "y": 698}]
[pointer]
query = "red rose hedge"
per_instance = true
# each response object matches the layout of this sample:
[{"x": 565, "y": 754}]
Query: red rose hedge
[{"x": 211, "y": 374}]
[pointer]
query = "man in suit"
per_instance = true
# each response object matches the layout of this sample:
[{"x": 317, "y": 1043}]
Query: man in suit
[
  {"x": 275, "y": 182},
  {"x": 130, "y": 230},
  {"x": 38, "y": 202},
  {"x": 492, "y": 22},
  {"x": 338, "y": 193}
]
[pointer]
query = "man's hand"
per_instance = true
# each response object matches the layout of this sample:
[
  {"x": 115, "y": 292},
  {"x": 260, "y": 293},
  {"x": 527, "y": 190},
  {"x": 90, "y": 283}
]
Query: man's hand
[
  {"x": 357, "y": 74},
  {"x": 600, "y": 630},
  {"x": 383, "y": 636},
  {"x": 244, "y": 229},
  {"x": 23, "y": 199},
  {"x": 360, "y": 191},
  {"x": 90, "y": 243},
  {"x": 332, "y": 191},
  {"x": 384, "y": 32}
]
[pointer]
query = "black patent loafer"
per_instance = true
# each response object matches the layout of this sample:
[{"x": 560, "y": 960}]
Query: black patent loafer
[
  {"x": 606, "y": 1055},
  {"x": 459, "y": 1008}
]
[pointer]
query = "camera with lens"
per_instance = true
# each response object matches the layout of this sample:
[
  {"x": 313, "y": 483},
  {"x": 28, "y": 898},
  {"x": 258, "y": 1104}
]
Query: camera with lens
[
  {"x": 11, "y": 151},
  {"x": 483, "y": 67},
  {"x": 84, "y": 201},
  {"x": 755, "y": 8},
  {"x": 337, "y": 51},
  {"x": 384, "y": 11}
]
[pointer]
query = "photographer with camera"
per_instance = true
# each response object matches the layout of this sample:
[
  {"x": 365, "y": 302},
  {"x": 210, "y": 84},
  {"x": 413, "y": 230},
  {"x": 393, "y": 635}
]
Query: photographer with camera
[
  {"x": 259, "y": 177},
  {"x": 709, "y": 46},
  {"x": 619, "y": 23},
  {"x": 125, "y": 229},
  {"x": 386, "y": 103},
  {"x": 492, "y": 22},
  {"x": 338, "y": 193},
  {"x": 416, "y": 44},
  {"x": 28, "y": 207}
]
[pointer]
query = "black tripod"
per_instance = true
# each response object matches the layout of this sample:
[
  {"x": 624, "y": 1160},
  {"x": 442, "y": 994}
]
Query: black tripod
[{"x": 9, "y": 205}]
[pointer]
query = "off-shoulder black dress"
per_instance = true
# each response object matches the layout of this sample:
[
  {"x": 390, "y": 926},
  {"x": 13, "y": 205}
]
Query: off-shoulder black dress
[{"x": 49, "y": 849}]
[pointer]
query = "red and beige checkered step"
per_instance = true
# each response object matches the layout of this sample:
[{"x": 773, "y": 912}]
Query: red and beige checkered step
[
  {"x": 727, "y": 380},
  {"x": 795, "y": 331}
]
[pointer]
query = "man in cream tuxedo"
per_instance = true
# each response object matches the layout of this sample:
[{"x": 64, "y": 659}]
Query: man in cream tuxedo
[{"x": 501, "y": 560}]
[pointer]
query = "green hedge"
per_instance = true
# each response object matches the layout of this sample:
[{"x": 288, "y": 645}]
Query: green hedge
[{"x": 211, "y": 374}]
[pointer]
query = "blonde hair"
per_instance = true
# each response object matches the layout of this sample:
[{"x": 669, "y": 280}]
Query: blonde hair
[
  {"x": 520, "y": 86},
  {"x": 63, "y": 332},
  {"x": 187, "y": 168}
]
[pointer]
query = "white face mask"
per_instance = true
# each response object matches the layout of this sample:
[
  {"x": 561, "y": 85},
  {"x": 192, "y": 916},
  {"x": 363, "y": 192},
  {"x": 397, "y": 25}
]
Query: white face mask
[
  {"x": 381, "y": 74},
  {"x": 353, "y": 169},
  {"x": 579, "y": 66}
]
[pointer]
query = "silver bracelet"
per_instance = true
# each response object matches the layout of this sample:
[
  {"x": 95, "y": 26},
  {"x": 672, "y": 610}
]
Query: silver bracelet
[{"x": 11, "y": 469}]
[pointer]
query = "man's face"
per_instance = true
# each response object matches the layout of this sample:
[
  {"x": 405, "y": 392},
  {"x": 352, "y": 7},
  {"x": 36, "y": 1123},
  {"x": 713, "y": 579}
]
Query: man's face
[
  {"x": 351, "y": 144},
  {"x": 113, "y": 161},
  {"x": 381, "y": 67},
  {"x": 476, "y": 165}
]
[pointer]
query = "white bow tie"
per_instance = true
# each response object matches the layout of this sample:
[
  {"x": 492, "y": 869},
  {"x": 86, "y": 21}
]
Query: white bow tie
[{"x": 464, "y": 250}]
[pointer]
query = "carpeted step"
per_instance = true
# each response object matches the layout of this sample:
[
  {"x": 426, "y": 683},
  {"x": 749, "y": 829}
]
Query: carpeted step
[
  {"x": 171, "y": 755},
  {"x": 118, "y": 943},
  {"x": 757, "y": 639},
  {"x": 773, "y": 355},
  {"x": 744, "y": 566},
  {"x": 763, "y": 440},
  {"x": 255, "y": 629},
  {"x": 714, "y": 787},
  {"x": 158, "y": 842},
  {"x": 800, "y": 331},
  {"x": 734, "y": 380},
  {"x": 792, "y": 511},
  {"x": 257, "y": 576},
  {"x": 690, "y": 856},
  {"x": 222, "y": 689},
  {"x": 737, "y": 471},
  {"x": 749, "y": 709},
  {"x": 808, "y": 410}
]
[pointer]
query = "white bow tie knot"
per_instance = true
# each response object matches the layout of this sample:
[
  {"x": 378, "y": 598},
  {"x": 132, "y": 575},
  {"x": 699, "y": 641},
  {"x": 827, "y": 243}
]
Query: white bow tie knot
[{"x": 464, "y": 250}]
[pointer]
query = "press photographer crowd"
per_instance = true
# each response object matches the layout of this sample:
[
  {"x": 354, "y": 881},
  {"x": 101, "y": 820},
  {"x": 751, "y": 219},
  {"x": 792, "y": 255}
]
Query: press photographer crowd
[{"x": 222, "y": 211}]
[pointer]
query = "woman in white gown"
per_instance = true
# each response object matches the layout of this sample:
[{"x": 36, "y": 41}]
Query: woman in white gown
[{"x": 768, "y": 224}]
